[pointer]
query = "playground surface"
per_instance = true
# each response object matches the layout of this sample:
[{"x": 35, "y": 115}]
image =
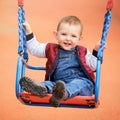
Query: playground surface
[{"x": 43, "y": 17}]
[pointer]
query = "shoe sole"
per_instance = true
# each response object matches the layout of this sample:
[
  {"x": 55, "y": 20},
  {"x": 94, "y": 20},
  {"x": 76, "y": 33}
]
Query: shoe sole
[
  {"x": 29, "y": 86},
  {"x": 58, "y": 94}
]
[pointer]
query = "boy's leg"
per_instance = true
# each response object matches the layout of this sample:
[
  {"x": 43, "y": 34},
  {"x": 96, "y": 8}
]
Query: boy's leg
[
  {"x": 33, "y": 87},
  {"x": 81, "y": 86},
  {"x": 49, "y": 85}
]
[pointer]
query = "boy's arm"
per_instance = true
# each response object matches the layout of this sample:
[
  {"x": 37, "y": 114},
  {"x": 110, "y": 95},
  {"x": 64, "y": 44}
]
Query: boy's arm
[
  {"x": 94, "y": 52},
  {"x": 27, "y": 27},
  {"x": 34, "y": 47},
  {"x": 91, "y": 59},
  {"x": 96, "y": 48}
]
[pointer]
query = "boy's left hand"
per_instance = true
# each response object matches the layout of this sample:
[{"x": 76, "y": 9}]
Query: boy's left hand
[{"x": 97, "y": 46}]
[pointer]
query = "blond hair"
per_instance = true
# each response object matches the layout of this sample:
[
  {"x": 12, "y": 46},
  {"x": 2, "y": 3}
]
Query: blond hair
[{"x": 72, "y": 20}]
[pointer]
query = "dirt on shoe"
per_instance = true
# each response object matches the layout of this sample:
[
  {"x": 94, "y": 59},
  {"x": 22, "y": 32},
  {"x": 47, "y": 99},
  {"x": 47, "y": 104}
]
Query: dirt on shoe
[
  {"x": 59, "y": 93},
  {"x": 33, "y": 87}
]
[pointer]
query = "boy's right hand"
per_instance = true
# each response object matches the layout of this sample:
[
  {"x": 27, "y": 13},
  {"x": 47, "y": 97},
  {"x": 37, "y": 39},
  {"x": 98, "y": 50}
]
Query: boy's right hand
[{"x": 27, "y": 27}]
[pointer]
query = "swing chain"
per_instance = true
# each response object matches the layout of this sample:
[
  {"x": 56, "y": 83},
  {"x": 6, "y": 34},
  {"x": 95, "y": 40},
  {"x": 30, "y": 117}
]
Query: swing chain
[
  {"x": 22, "y": 49},
  {"x": 20, "y": 3},
  {"x": 109, "y": 5}
]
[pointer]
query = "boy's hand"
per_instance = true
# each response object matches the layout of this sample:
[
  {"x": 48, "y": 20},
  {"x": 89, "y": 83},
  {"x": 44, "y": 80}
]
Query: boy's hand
[
  {"x": 27, "y": 27},
  {"x": 97, "y": 46}
]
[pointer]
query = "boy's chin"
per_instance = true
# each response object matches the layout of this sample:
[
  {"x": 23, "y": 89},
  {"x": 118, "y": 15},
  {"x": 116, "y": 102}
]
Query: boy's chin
[{"x": 66, "y": 48}]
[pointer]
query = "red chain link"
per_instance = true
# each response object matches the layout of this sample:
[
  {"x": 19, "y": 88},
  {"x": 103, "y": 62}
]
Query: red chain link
[
  {"x": 20, "y": 2},
  {"x": 109, "y": 5}
]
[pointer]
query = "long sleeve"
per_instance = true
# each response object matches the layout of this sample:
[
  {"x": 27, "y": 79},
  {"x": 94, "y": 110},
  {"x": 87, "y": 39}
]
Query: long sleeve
[
  {"x": 35, "y": 48},
  {"x": 91, "y": 60}
]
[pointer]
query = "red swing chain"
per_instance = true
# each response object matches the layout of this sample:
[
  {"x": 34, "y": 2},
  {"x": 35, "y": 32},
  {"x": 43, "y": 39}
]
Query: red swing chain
[
  {"x": 20, "y": 3},
  {"x": 109, "y": 5}
]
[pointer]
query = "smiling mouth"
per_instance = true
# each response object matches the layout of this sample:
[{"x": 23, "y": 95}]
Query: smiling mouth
[{"x": 67, "y": 44}]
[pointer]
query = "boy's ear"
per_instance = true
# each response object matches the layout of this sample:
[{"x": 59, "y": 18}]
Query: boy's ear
[
  {"x": 55, "y": 33},
  {"x": 81, "y": 37}
]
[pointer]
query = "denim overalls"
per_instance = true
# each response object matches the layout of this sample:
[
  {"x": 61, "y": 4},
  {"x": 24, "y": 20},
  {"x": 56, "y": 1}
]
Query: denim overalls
[{"x": 69, "y": 71}]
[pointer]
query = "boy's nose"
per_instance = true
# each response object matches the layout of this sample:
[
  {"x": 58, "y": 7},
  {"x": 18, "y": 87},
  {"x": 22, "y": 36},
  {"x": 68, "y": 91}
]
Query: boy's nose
[{"x": 68, "y": 38}]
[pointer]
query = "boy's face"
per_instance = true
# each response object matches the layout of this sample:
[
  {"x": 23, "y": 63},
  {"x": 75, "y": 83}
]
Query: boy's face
[{"x": 68, "y": 35}]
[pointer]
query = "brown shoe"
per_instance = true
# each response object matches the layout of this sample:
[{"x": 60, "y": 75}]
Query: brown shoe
[
  {"x": 59, "y": 93},
  {"x": 33, "y": 87}
]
